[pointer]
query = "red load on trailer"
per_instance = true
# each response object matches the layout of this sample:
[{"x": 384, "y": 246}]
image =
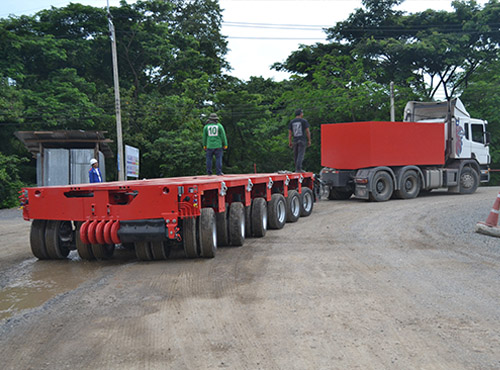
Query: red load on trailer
[{"x": 371, "y": 144}]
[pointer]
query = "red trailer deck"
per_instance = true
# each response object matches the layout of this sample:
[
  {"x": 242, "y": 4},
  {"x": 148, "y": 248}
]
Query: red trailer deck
[{"x": 198, "y": 213}]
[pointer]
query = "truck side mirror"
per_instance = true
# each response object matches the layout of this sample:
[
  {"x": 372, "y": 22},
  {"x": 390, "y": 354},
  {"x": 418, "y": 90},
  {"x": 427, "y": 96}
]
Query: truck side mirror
[{"x": 487, "y": 138}]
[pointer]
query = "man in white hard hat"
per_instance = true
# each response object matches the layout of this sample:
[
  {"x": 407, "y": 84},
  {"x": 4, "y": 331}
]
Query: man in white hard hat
[{"x": 94, "y": 172}]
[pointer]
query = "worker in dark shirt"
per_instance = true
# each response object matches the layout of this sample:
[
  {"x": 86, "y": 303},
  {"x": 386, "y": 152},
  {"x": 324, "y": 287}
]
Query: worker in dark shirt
[{"x": 299, "y": 137}]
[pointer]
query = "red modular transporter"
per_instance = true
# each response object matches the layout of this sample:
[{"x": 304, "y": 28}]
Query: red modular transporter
[
  {"x": 197, "y": 213},
  {"x": 370, "y": 144}
]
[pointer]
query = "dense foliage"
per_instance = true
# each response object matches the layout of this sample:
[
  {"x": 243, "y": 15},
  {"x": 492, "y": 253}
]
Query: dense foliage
[{"x": 56, "y": 73}]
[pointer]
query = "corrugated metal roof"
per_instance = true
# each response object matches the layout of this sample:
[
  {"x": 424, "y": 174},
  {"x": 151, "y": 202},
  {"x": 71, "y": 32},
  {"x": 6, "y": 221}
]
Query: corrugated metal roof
[{"x": 69, "y": 139}]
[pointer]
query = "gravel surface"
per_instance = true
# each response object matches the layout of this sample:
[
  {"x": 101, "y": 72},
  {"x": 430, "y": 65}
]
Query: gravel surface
[{"x": 393, "y": 285}]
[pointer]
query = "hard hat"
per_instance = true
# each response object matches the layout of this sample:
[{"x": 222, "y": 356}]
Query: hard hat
[{"x": 92, "y": 161}]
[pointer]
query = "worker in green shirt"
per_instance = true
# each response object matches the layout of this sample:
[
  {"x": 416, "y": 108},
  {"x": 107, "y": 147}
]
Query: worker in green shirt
[{"x": 214, "y": 140}]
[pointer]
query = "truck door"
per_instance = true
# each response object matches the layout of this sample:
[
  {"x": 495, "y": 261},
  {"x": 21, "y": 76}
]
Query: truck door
[{"x": 478, "y": 145}]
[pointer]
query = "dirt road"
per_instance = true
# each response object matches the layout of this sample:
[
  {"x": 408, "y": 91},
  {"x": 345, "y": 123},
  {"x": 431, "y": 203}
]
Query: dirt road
[{"x": 395, "y": 285}]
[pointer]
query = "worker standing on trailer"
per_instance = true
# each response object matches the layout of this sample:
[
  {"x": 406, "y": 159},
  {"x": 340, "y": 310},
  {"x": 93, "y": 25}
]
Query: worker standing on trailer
[
  {"x": 298, "y": 130},
  {"x": 94, "y": 172},
  {"x": 214, "y": 141}
]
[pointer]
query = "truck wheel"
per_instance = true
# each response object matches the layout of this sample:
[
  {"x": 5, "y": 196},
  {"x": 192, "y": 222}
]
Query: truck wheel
[
  {"x": 208, "y": 233},
  {"x": 259, "y": 217},
  {"x": 307, "y": 203},
  {"x": 103, "y": 251},
  {"x": 189, "y": 236},
  {"x": 410, "y": 186},
  {"x": 53, "y": 231},
  {"x": 335, "y": 194},
  {"x": 469, "y": 180},
  {"x": 276, "y": 211},
  {"x": 143, "y": 251},
  {"x": 37, "y": 239},
  {"x": 237, "y": 224},
  {"x": 222, "y": 227},
  {"x": 160, "y": 250},
  {"x": 248, "y": 221},
  {"x": 84, "y": 250},
  {"x": 292, "y": 206},
  {"x": 382, "y": 187}
]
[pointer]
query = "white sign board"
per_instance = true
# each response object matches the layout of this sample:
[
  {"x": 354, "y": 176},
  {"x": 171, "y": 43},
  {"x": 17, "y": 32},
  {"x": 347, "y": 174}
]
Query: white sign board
[{"x": 132, "y": 157}]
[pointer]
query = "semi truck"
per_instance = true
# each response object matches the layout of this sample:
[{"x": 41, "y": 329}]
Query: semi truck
[
  {"x": 196, "y": 214},
  {"x": 437, "y": 145}
]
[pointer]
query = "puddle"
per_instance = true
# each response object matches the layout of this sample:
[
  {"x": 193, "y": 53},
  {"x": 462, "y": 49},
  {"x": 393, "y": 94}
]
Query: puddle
[{"x": 32, "y": 283}]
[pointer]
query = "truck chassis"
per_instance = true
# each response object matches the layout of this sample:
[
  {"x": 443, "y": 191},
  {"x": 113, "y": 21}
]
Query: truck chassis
[{"x": 153, "y": 216}]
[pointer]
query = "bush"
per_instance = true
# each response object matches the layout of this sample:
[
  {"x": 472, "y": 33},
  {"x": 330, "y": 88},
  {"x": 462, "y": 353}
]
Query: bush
[{"x": 10, "y": 183}]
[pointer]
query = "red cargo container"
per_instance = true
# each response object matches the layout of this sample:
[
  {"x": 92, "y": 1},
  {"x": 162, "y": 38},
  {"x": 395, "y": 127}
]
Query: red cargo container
[{"x": 347, "y": 146}]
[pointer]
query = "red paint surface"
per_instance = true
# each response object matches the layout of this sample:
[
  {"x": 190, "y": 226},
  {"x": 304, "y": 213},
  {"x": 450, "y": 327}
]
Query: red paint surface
[
  {"x": 347, "y": 146},
  {"x": 155, "y": 198}
]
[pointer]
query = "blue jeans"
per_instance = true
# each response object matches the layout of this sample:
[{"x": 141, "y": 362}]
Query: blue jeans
[{"x": 218, "y": 161}]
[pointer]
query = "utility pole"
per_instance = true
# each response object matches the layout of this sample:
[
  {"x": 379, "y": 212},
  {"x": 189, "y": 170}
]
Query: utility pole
[
  {"x": 393, "y": 116},
  {"x": 119, "y": 137}
]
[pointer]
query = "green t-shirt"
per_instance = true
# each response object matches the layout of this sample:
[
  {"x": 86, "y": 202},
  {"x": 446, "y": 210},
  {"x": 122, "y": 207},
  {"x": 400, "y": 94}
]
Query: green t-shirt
[{"x": 214, "y": 136}]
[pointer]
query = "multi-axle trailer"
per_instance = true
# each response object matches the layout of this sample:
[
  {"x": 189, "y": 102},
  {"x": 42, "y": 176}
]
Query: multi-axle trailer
[{"x": 194, "y": 213}]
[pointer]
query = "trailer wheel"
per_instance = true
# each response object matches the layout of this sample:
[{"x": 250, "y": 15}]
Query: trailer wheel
[
  {"x": 103, "y": 251},
  {"x": 276, "y": 211},
  {"x": 259, "y": 217},
  {"x": 84, "y": 250},
  {"x": 307, "y": 203},
  {"x": 248, "y": 221},
  {"x": 222, "y": 227},
  {"x": 382, "y": 187},
  {"x": 410, "y": 186},
  {"x": 160, "y": 250},
  {"x": 53, "y": 232},
  {"x": 189, "y": 236},
  {"x": 292, "y": 206},
  {"x": 37, "y": 239},
  {"x": 208, "y": 233},
  {"x": 143, "y": 251},
  {"x": 469, "y": 180},
  {"x": 237, "y": 224}
]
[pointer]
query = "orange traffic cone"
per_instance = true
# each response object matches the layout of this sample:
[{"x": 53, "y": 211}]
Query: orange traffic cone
[
  {"x": 490, "y": 227},
  {"x": 492, "y": 219}
]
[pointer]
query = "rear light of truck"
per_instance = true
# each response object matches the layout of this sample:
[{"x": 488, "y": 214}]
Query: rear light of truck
[{"x": 361, "y": 181}]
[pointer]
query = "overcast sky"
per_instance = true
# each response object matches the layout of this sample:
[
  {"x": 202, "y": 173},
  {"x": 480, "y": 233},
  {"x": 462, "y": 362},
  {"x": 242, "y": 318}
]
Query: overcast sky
[{"x": 260, "y": 32}]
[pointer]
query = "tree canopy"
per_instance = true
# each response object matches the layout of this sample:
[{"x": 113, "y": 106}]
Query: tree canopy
[{"x": 56, "y": 73}]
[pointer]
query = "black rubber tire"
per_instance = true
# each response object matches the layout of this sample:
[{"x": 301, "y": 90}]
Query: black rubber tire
[
  {"x": 84, "y": 250},
  {"x": 292, "y": 206},
  {"x": 469, "y": 180},
  {"x": 306, "y": 202},
  {"x": 248, "y": 221},
  {"x": 222, "y": 227},
  {"x": 208, "y": 233},
  {"x": 259, "y": 217},
  {"x": 143, "y": 251},
  {"x": 103, "y": 251},
  {"x": 37, "y": 239},
  {"x": 410, "y": 186},
  {"x": 52, "y": 243},
  {"x": 237, "y": 224},
  {"x": 160, "y": 250},
  {"x": 335, "y": 194},
  {"x": 382, "y": 187},
  {"x": 276, "y": 211},
  {"x": 189, "y": 237}
]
